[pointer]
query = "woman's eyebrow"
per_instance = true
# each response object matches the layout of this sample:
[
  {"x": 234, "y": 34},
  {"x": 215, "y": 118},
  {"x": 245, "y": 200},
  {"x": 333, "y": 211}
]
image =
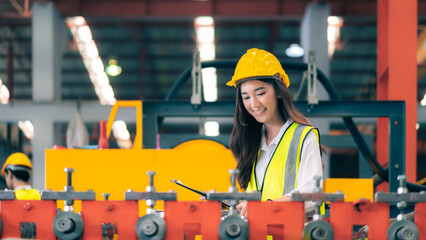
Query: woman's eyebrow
[{"x": 257, "y": 89}]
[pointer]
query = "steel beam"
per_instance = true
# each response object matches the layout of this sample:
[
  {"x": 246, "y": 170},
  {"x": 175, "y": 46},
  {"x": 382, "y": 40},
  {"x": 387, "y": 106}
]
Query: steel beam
[
  {"x": 393, "y": 110},
  {"x": 313, "y": 38},
  {"x": 48, "y": 40},
  {"x": 190, "y": 8},
  {"x": 397, "y": 74},
  {"x": 48, "y": 113}
]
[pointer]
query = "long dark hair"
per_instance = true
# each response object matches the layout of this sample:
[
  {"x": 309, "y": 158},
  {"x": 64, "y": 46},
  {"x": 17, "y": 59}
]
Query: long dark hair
[{"x": 247, "y": 132}]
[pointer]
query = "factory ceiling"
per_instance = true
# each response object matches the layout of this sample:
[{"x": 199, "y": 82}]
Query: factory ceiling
[{"x": 154, "y": 42}]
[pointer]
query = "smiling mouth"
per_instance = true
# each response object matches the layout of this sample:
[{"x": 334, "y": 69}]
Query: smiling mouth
[{"x": 259, "y": 112}]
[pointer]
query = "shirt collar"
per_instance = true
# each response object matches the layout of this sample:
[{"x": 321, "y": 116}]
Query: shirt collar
[
  {"x": 274, "y": 142},
  {"x": 26, "y": 187}
]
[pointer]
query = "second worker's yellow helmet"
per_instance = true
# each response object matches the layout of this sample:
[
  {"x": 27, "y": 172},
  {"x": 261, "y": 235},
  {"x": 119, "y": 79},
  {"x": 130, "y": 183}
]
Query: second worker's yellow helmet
[
  {"x": 16, "y": 160},
  {"x": 258, "y": 64}
]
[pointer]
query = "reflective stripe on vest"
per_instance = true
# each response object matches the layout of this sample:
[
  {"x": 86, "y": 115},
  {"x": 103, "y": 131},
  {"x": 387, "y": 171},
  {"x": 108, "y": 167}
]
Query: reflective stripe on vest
[
  {"x": 23, "y": 194},
  {"x": 281, "y": 173}
]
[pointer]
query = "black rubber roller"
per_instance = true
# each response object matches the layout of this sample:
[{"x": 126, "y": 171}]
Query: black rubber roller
[
  {"x": 403, "y": 230},
  {"x": 318, "y": 230},
  {"x": 233, "y": 227},
  {"x": 151, "y": 227},
  {"x": 68, "y": 225}
]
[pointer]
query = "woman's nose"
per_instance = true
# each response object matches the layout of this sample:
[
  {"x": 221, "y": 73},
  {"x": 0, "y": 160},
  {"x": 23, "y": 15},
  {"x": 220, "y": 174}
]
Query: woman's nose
[{"x": 254, "y": 103}]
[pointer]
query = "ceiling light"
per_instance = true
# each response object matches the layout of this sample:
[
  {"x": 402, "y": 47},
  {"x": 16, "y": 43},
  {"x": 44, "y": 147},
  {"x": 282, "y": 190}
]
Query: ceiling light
[
  {"x": 113, "y": 69},
  {"x": 209, "y": 84},
  {"x": 423, "y": 101},
  {"x": 101, "y": 79},
  {"x": 204, "y": 28},
  {"x": 4, "y": 93},
  {"x": 84, "y": 34},
  {"x": 203, "y": 21},
  {"x": 205, "y": 34},
  {"x": 27, "y": 128},
  {"x": 207, "y": 51},
  {"x": 334, "y": 20},
  {"x": 119, "y": 129},
  {"x": 78, "y": 21},
  {"x": 333, "y": 33},
  {"x": 294, "y": 51},
  {"x": 107, "y": 92},
  {"x": 89, "y": 49},
  {"x": 211, "y": 128},
  {"x": 97, "y": 65},
  {"x": 89, "y": 52}
]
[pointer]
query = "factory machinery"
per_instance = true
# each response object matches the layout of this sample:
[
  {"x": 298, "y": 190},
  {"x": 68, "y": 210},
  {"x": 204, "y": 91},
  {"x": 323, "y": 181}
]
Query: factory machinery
[
  {"x": 119, "y": 219},
  {"x": 111, "y": 198},
  {"x": 125, "y": 204}
]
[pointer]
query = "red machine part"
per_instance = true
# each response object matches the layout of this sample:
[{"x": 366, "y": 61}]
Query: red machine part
[
  {"x": 282, "y": 220},
  {"x": 345, "y": 215},
  {"x": 420, "y": 219},
  {"x": 15, "y": 212},
  {"x": 185, "y": 220},
  {"x": 122, "y": 214}
]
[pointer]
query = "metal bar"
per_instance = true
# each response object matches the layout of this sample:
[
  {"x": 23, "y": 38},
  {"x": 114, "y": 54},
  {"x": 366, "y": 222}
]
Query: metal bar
[
  {"x": 185, "y": 75},
  {"x": 323, "y": 109},
  {"x": 331, "y": 197},
  {"x": 56, "y": 195},
  {"x": 235, "y": 8},
  {"x": 162, "y": 196},
  {"x": 395, "y": 197},
  {"x": 7, "y": 195},
  {"x": 346, "y": 109},
  {"x": 397, "y": 155},
  {"x": 397, "y": 26},
  {"x": 254, "y": 196}
]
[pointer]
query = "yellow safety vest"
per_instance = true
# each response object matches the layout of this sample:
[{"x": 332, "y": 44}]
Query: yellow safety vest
[
  {"x": 281, "y": 173},
  {"x": 24, "y": 194}
]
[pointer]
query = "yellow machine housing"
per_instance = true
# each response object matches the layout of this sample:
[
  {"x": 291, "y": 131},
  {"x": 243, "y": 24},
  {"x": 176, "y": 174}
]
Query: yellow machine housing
[{"x": 200, "y": 164}]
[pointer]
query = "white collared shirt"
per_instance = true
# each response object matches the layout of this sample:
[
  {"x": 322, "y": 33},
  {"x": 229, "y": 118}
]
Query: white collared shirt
[
  {"x": 26, "y": 187},
  {"x": 310, "y": 163}
]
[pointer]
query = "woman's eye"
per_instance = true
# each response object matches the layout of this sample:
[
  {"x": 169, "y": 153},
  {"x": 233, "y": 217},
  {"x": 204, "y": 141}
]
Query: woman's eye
[
  {"x": 260, "y": 94},
  {"x": 245, "y": 98}
]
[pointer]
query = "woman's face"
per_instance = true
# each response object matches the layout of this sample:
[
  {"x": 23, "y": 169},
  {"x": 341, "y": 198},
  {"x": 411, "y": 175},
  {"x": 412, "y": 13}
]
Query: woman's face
[{"x": 260, "y": 101}]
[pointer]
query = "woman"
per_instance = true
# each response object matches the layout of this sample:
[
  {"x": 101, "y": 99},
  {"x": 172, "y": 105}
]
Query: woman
[{"x": 276, "y": 148}]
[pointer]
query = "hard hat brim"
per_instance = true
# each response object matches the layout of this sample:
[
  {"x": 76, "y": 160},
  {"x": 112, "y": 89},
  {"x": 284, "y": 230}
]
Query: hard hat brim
[
  {"x": 238, "y": 82},
  {"x": 16, "y": 168}
]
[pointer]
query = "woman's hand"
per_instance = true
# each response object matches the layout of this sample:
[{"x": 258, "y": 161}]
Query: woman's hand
[
  {"x": 242, "y": 207},
  {"x": 282, "y": 199}
]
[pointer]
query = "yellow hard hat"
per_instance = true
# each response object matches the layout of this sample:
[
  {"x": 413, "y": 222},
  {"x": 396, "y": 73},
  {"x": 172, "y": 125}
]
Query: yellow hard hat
[
  {"x": 258, "y": 64},
  {"x": 15, "y": 160}
]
